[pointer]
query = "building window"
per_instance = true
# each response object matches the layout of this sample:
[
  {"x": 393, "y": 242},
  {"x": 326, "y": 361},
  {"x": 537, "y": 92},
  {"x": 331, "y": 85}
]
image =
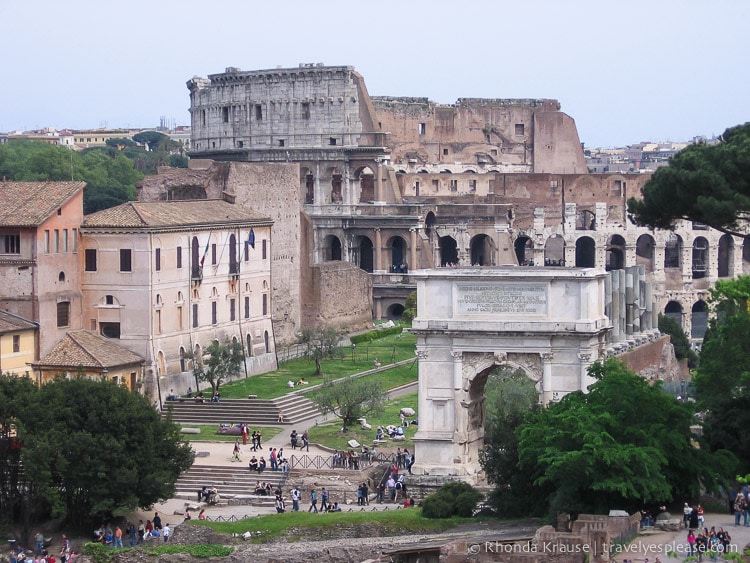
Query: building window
[
  {"x": 305, "y": 110},
  {"x": 258, "y": 112},
  {"x": 195, "y": 315},
  {"x": 16, "y": 343},
  {"x": 445, "y": 152},
  {"x": 247, "y": 251},
  {"x": 281, "y": 142},
  {"x": 225, "y": 114},
  {"x": 332, "y": 141},
  {"x": 179, "y": 318},
  {"x": 472, "y": 185},
  {"x": 421, "y": 128},
  {"x": 232, "y": 309},
  {"x": 63, "y": 314},
  {"x": 46, "y": 242},
  {"x": 110, "y": 330},
  {"x": 57, "y": 241},
  {"x": 109, "y": 299},
  {"x": 265, "y": 304},
  {"x": 11, "y": 244},
  {"x": 454, "y": 185},
  {"x": 213, "y": 312},
  {"x": 65, "y": 240},
  {"x": 179, "y": 257},
  {"x": 264, "y": 252},
  {"x": 247, "y": 306},
  {"x": 519, "y": 130},
  {"x": 158, "y": 321},
  {"x": 182, "y": 359},
  {"x": 74, "y": 236},
  {"x": 213, "y": 254},
  {"x": 436, "y": 185},
  {"x": 157, "y": 259},
  {"x": 61, "y": 277},
  {"x": 90, "y": 259},
  {"x": 126, "y": 256}
]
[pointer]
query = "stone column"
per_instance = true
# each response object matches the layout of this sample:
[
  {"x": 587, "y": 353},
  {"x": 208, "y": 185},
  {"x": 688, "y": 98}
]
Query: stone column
[
  {"x": 318, "y": 196},
  {"x": 378, "y": 182},
  {"x": 615, "y": 306},
  {"x": 547, "y": 377},
  {"x": 648, "y": 317},
  {"x": 458, "y": 369},
  {"x": 378, "y": 258},
  {"x": 413, "y": 248}
]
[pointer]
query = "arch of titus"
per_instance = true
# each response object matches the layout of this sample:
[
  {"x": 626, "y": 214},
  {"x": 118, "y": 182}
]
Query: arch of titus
[{"x": 550, "y": 322}]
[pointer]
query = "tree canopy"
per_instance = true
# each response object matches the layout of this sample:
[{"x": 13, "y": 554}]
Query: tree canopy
[
  {"x": 321, "y": 343},
  {"x": 85, "y": 449},
  {"x": 224, "y": 361},
  {"x": 622, "y": 443},
  {"x": 705, "y": 183},
  {"x": 722, "y": 380},
  {"x": 351, "y": 399}
]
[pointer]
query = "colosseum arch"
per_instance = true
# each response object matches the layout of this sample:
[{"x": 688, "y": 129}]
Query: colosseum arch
[
  {"x": 331, "y": 248},
  {"x": 366, "y": 252},
  {"x": 701, "y": 258},
  {"x": 554, "y": 251},
  {"x": 699, "y": 319},
  {"x": 644, "y": 252},
  {"x": 726, "y": 256},
  {"x": 673, "y": 309},
  {"x": 307, "y": 185},
  {"x": 482, "y": 250},
  {"x": 585, "y": 252},
  {"x": 334, "y": 176},
  {"x": 448, "y": 250},
  {"x": 524, "y": 248},
  {"x": 398, "y": 250},
  {"x": 615, "y": 259},
  {"x": 366, "y": 178},
  {"x": 673, "y": 251}
]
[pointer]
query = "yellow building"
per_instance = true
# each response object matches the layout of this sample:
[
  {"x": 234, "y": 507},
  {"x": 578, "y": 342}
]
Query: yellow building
[{"x": 18, "y": 344}]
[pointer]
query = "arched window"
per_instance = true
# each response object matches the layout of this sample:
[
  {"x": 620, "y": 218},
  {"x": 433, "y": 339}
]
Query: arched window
[
  {"x": 554, "y": 251},
  {"x": 482, "y": 251},
  {"x": 699, "y": 319},
  {"x": 644, "y": 252},
  {"x": 615, "y": 259},
  {"x": 524, "y": 248},
  {"x": 585, "y": 253},
  {"x": 700, "y": 258},
  {"x": 448, "y": 251}
]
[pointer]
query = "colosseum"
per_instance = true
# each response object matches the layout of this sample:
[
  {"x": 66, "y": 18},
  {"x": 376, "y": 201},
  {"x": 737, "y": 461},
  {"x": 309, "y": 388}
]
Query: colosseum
[{"x": 364, "y": 189}]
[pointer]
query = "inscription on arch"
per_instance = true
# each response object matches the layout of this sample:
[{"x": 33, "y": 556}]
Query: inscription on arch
[{"x": 491, "y": 298}]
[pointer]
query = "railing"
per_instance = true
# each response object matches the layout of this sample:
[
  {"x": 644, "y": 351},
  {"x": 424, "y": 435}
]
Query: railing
[{"x": 337, "y": 462}]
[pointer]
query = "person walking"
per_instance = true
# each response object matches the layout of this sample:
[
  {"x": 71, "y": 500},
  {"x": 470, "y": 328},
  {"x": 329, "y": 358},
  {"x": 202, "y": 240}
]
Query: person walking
[
  {"x": 313, "y": 501},
  {"x": 236, "y": 451}
]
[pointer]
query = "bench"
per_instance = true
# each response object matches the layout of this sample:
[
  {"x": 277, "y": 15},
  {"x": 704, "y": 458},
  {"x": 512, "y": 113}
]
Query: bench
[{"x": 252, "y": 396}]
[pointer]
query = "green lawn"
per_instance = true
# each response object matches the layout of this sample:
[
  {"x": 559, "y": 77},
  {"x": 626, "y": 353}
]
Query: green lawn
[
  {"x": 392, "y": 522},
  {"x": 274, "y": 384},
  {"x": 329, "y": 434},
  {"x": 209, "y": 434}
]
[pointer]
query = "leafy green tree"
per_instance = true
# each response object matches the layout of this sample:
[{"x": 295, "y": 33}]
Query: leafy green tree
[
  {"x": 722, "y": 380},
  {"x": 91, "y": 448},
  {"x": 321, "y": 343},
  {"x": 410, "y": 308},
  {"x": 224, "y": 361},
  {"x": 509, "y": 396},
  {"x": 351, "y": 399},
  {"x": 623, "y": 442},
  {"x": 452, "y": 499},
  {"x": 679, "y": 339},
  {"x": 704, "y": 183}
]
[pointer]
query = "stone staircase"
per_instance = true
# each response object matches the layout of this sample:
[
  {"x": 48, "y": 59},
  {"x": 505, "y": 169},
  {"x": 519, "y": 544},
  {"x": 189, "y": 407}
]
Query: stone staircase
[
  {"x": 256, "y": 412},
  {"x": 236, "y": 485},
  {"x": 296, "y": 408}
]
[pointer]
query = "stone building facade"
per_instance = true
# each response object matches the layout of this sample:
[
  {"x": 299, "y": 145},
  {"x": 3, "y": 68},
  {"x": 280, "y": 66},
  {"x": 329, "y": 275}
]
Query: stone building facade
[
  {"x": 395, "y": 184},
  {"x": 165, "y": 279}
]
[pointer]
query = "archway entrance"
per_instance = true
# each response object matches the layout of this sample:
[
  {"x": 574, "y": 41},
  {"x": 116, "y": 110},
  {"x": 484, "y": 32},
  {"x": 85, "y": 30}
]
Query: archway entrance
[
  {"x": 585, "y": 253},
  {"x": 366, "y": 254},
  {"x": 524, "y": 248}
]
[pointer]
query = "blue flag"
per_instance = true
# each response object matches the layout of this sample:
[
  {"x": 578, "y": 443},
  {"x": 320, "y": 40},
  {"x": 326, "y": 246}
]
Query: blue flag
[{"x": 251, "y": 238}]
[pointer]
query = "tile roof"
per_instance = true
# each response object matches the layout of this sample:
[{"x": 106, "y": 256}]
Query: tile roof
[
  {"x": 87, "y": 349},
  {"x": 13, "y": 323},
  {"x": 29, "y": 204},
  {"x": 172, "y": 214}
]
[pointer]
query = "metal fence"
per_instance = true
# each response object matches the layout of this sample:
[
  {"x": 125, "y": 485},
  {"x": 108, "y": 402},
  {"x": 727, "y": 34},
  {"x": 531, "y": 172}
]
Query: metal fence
[{"x": 337, "y": 462}]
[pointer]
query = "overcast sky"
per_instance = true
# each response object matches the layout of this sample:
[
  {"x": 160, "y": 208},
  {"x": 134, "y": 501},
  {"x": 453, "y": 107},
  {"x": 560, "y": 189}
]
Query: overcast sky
[{"x": 626, "y": 71}]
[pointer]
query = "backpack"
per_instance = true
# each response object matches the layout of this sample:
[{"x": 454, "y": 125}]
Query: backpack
[{"x": 313, "y": 496}]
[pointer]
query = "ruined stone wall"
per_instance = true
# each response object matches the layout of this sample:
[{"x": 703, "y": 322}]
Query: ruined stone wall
[
  {"x": 655, "y": 360},
  {"x": 493, "y": 135},
  {"x": 341, "y": 296}
]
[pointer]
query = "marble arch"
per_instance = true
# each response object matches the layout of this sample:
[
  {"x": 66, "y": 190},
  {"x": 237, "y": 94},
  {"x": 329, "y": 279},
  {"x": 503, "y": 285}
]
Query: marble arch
[{"x": 551, "y": 322}]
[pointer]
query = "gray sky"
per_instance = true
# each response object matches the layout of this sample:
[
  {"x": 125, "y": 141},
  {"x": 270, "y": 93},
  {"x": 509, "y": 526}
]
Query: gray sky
[{"x": 625, "y": 71}]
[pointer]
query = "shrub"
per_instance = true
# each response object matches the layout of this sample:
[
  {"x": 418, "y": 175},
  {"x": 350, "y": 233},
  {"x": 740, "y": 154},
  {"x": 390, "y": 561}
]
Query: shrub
[
  {"x": 375, "y": 334},
  {"x": 452, "y": 499}
]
